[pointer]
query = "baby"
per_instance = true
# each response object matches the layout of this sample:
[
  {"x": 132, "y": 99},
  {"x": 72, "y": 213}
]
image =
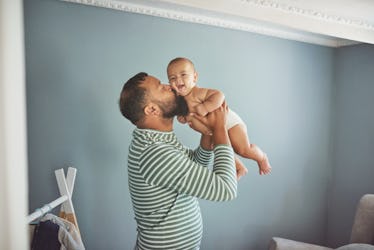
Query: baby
[{"x": 183, "y": 77}]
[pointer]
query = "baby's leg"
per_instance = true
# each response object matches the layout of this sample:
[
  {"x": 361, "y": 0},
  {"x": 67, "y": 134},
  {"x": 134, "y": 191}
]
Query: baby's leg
[{"x": 242, "y": 146}]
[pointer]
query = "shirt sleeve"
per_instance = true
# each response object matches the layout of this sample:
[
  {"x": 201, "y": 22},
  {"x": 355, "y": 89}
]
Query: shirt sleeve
[
  {"x": 203, "y": 156},
  {"x": 167, "y": 167}
]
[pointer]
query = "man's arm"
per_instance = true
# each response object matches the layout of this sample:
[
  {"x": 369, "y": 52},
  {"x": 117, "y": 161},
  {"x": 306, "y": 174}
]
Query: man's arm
[
  {"x": 204, "y": 153},
  {"x": 206, "y": 142},
  {"x": 166, "y": 166},
  {"x": 215, "y": 122}
]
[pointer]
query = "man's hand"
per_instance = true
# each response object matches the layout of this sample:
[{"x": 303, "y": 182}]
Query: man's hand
[
  {"x": 215, "y": 119},
  {"x": 197, "y": 125}
]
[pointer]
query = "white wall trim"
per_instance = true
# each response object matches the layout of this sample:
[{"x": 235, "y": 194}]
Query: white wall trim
[
  {"x": 224, "y": 22},
  {"x": 13, "y": 146}
]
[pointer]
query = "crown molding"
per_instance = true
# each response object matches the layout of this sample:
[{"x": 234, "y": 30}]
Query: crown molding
[
  {"x": 173, "y": 11},
  {"x": 310, "y": 13}
]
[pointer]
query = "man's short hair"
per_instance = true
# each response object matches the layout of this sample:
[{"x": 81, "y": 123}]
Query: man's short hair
[{"x": 133, "y": 98}]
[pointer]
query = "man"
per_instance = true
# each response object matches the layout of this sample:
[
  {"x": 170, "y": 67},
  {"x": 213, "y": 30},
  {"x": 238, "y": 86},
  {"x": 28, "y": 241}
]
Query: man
[{"x": 166, "y": 178}]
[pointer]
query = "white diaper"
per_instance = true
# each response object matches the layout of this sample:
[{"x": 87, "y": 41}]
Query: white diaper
[{"x": 233, "y": 119}]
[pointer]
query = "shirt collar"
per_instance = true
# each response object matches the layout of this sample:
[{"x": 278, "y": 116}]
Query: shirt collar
[{"x": 154, "y": 135}]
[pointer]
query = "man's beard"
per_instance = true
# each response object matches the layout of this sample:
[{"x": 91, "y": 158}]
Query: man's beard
[{"x": 177, "y": 107}]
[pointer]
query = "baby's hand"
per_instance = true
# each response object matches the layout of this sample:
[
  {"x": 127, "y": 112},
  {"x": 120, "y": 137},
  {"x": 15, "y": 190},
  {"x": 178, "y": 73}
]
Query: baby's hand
[{"x": 182, "y": 119}]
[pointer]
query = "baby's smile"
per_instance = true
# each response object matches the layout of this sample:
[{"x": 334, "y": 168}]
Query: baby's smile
[{"x": 181, "y": 88}]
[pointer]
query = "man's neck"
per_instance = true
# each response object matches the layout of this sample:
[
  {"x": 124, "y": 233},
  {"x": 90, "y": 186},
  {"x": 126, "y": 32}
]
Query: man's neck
[{"x": 163, "y": 125}]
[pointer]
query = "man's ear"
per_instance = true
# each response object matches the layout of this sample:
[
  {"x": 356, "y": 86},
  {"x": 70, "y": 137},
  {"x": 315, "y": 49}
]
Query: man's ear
[
  {"x": 152, "y": 109},
  {"x": 195, "y": 76}
]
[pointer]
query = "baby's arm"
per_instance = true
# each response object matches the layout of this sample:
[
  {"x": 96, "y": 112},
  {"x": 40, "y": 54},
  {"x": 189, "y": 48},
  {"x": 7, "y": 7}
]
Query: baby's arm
[{"x": 211, "y": 100}]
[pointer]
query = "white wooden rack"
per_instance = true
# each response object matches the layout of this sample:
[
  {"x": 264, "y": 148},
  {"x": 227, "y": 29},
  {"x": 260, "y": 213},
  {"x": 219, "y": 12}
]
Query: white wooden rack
[{"x": 65, "y": 186}]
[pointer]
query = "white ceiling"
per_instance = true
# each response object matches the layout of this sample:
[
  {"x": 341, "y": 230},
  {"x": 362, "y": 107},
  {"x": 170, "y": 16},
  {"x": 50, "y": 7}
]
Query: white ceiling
[{"x": 331, "y": 23}]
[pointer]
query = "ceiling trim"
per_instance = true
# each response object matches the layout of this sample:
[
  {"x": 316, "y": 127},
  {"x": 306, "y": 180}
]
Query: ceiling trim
[
  {"x": 186, "y": 15},
  {"x": 311, "y": 13}
]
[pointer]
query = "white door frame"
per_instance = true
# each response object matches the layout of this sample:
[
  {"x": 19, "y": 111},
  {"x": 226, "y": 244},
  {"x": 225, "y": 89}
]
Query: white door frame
[{"x": 13, "y": 139}]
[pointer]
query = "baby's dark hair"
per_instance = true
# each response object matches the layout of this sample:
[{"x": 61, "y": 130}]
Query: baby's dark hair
[
  {"x": 178, "y": 59},
  {"x": 132, "y": 98}
]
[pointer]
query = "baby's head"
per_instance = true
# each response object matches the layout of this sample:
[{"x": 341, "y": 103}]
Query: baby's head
[{"x": 182, "y": 75}]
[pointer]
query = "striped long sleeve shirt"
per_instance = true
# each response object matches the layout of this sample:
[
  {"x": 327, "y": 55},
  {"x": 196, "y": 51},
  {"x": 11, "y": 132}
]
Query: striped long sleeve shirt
[{"x": 165, "y": 181}]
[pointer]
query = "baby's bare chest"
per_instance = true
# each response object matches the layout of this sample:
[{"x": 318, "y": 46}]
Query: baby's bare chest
[{"x": 192, "y": 104}]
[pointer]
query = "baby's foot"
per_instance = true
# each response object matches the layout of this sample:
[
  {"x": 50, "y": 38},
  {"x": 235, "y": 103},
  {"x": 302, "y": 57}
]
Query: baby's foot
[
  {"x": 264, "y": 165},
  {"x": 241, "y": 170}
]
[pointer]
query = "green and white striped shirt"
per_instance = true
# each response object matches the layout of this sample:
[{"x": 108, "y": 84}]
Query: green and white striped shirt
[{"x": 165, "y": 180}]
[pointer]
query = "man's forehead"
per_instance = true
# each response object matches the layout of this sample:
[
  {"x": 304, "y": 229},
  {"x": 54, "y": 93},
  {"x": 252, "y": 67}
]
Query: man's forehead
[
  {"x": 150, "y": 81},
  {"x": 152, "y": 78}
]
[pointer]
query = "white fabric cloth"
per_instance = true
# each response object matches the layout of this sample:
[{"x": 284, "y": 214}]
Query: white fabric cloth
[
  {"x": 68, "y": 235},
  {"x": 233, "y": 119}
]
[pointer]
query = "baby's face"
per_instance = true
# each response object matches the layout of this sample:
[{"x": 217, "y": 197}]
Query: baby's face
[{"x": 182, "y": 77}]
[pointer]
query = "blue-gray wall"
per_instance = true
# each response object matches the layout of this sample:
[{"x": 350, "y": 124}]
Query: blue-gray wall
[
  {"x": 354, "y": 138},
  {"x": 77, "y": 59}
]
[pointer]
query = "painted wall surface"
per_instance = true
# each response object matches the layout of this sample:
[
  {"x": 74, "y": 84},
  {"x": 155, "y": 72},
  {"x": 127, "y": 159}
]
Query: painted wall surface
[
  {"x": 77, "y": 59},
  {"x": 353, "y": 174}
]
